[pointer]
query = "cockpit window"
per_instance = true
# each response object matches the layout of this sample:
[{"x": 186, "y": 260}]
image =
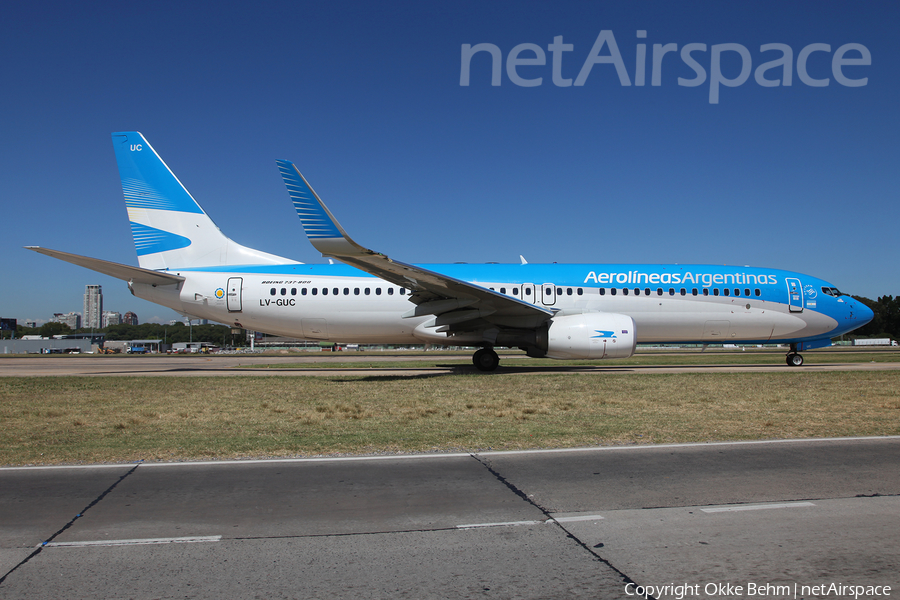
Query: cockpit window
[{"x": 832, "y": 291}]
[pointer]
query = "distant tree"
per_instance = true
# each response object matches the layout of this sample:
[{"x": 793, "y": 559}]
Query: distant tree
[
  {"x": 53, "y": 328},
  {"x": 887, "y": 318},
  {"x": 21, "y": 330},
  {"x": 172, "y": 334}
]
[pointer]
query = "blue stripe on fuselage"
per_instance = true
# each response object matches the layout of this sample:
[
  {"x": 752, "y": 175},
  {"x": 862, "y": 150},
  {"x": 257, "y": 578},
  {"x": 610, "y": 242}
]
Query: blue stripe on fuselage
[
  {"x": 772, "y": 283},
  {"x": 584, "y": 275}
]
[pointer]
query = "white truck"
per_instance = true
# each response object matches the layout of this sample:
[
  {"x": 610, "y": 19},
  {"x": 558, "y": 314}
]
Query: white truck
[{"x": 875, "y": 342}]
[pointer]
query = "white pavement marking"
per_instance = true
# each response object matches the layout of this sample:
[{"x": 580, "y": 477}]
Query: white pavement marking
[
  {"x": 137, "y": 542},
  {"x": 506, "y": 524},
  {"x": 740, "y": 507},
  {"x": 552, "y": 519},
  {"x": 578, "y": 518},
  {"x": 498, "y": 453}
]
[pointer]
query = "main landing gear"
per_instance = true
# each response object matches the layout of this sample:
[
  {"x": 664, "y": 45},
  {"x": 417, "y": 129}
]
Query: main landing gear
[
  {"x": 793, "y": 358},
  {"x": 485, "y": 359}
]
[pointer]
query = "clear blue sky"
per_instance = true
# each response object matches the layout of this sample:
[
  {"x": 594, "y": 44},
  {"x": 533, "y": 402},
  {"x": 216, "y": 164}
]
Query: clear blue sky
[{"x": 365, "y": 98}]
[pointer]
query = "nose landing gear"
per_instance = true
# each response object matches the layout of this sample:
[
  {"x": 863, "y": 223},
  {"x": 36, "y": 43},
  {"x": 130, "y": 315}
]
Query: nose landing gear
[{"x": 794, "y": 358}]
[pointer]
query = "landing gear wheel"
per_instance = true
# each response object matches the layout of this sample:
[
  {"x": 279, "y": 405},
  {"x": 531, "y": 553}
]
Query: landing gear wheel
[
  {"x": 794, "y": 360},
  {"x": 486, "y": 359}
]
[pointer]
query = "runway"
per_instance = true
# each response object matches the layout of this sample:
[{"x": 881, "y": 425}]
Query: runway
[
  {"x": 321, "y": 364},
  {"x": 716, "y": 519}
]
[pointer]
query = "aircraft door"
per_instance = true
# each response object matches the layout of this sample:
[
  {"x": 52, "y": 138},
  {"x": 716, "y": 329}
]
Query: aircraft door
[
  {"x": 528, "y": 293},
  {"x": 548, "y": 294},
  {"x": 795, "y": 294},
  {"x": 233, "y": 295}
]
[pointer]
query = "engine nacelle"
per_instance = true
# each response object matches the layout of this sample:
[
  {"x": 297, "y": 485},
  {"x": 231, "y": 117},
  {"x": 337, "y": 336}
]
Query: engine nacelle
[{"x": 589, "y": 335}]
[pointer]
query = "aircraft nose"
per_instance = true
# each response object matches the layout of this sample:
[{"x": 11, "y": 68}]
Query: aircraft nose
[{"x": 860, "y": 313}]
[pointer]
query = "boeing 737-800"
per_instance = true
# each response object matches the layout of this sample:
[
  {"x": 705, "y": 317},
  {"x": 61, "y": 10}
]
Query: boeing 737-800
[{"x": 565, "y": 311}]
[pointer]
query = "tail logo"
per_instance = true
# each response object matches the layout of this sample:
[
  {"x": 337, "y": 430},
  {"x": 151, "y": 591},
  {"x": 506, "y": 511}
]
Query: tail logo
[{"x": 148, "y": 240}]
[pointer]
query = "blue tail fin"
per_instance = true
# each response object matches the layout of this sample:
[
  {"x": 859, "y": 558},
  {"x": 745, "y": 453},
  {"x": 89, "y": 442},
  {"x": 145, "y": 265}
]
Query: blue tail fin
[{"x": 170, "y": 229}]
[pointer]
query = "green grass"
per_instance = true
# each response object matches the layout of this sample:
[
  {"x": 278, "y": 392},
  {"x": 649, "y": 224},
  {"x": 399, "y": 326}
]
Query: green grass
[{"x": 53, "y": 420}]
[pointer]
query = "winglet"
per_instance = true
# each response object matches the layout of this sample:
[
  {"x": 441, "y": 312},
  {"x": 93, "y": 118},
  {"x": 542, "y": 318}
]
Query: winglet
[{"x": 322, "y": 229}]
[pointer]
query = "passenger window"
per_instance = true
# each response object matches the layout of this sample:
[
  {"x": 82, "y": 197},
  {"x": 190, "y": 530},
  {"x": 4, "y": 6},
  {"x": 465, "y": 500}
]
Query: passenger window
[
  {"x": 303, "y": 291},
  {"x": 356, "y": 291},
  {"x": 726, "y": 291},
  {"x": 659, "y": 291},
  {"x": 346, "y": 291},
  {"x": 706, "y": 291},
  {"x": 716, "y": 292},
  {"x": 580, "y": 291},
  {"x": 624, "y": 291},
  {"x": 683, "y": 292},
  {"x": 390, "y": 291},
  {"x": 293, "y": 291},
  {"x": 503, "y": 290},
  {"x": 315, "y": 291},
  {"x": 757, "y": 292},
  {"x": 377, "y": 291},
  {"x": 368, "y": 291},
  {"x": 602, "y": 291},
  {"x": 284, "y": 291},
  {"x": 646, "y": 291},
  {"x": 527, "y": 291},
  {"x": 335, "y": 291},
  {"x": 568, "y": 291},
  {"x": 671, "y": 291},
  {"x": 612, "y": 291},
  {"x": 324, "y": 291},
  {"x": 694, "y": 292},
  {"x": 402, "y": 291},
  {"x": 515, "y": 291},
  {"x": 273, "y": 291}
]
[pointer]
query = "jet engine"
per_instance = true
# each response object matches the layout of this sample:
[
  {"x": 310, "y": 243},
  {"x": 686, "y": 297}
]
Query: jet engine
[{"x": 588, "y": 335}]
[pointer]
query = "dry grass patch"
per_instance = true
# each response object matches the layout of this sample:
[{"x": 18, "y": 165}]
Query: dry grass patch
[{"x": 97, "y": 419}]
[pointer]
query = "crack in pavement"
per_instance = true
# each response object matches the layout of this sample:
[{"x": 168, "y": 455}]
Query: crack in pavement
[
  {"x": 486, "y": 463},
  {"x": 70, "y": 523}
]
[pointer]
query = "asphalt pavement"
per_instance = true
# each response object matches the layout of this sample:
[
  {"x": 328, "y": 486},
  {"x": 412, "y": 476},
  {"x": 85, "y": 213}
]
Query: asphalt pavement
[{"x": 752, "y": 519}]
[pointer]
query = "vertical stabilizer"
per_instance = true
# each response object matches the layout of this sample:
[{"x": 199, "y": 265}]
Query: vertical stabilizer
[{"x": 170, "y": 229}]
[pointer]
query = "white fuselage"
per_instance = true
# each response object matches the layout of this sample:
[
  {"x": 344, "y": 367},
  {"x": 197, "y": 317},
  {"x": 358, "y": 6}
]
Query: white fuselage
[{"x": 366, "y": 309}]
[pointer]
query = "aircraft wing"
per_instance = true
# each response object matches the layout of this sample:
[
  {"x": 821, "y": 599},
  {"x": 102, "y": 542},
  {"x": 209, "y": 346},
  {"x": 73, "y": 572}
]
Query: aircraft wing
[
  {"x": 433, "y": 293},
  {"x": 119, "y": 271}
]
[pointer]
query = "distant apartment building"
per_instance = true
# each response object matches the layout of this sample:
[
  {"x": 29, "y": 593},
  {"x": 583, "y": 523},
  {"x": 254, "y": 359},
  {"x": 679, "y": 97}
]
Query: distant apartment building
[
  {"x": 93, "y": 307},
  {"x": 111, "y": 317},
  {"x": 73, "y": 320},
  {"x": 130, "y": 318}
]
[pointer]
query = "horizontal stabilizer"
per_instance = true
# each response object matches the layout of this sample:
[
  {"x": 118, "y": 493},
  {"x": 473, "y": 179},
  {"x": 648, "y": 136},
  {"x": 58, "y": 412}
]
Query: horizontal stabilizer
[{"x": 119, "y": 271}]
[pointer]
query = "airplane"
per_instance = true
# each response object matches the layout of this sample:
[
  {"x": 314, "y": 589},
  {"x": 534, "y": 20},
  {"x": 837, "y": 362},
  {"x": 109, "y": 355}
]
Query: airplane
[{"x": 561, "y": 311}]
